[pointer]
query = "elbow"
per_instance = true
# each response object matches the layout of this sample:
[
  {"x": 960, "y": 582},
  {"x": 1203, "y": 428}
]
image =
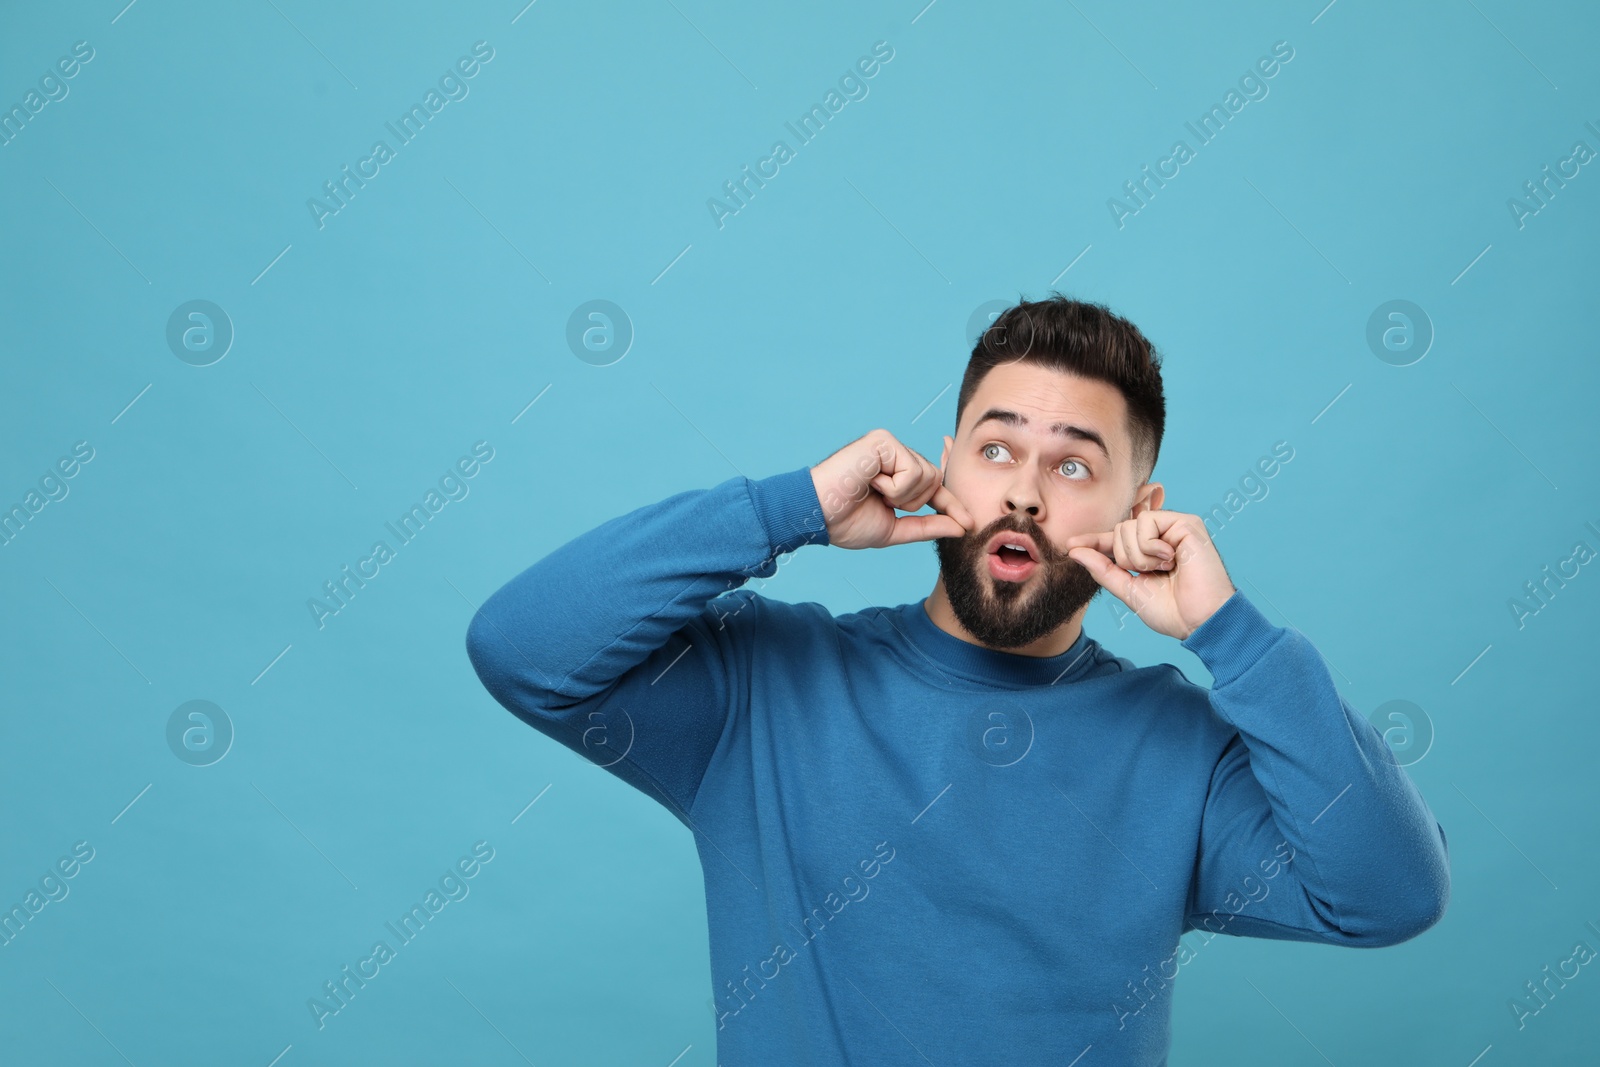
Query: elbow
[
  {"x": 487, "y": 648},
  {"x": 1424, "y": 914},
  {"x": 1420, "y": 910},
  {"x": 507, "y": 670},
  {"x": 479, "y": 653},
  {"x": 1431, "y": 896}
]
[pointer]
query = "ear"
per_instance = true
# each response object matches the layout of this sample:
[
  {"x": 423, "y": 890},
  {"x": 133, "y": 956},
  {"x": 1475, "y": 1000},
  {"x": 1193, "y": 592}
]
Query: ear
[
  {"x": 1148, "y": 498},
  {"x": 944, "y": 457}
]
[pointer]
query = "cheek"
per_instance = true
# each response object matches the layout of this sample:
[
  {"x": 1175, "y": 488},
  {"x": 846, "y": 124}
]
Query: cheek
[
  {"x": 978, "y": 497},
  {"x": 1074, "y": 525}
]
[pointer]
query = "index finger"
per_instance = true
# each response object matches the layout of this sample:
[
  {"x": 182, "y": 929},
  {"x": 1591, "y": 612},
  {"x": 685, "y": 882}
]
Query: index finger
[
  {"x": 1102, "y": 542},
  {"x": 944, "y": 501}
]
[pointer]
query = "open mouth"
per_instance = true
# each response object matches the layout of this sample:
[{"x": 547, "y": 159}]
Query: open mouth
[{"x": 1011, "y": 564}]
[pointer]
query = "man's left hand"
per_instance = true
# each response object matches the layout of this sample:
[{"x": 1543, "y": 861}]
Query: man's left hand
[{"x": 1181, "y": 579}]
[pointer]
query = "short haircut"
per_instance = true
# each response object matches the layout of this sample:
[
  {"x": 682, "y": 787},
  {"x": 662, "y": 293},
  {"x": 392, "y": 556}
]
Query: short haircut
[{"x": 1090, "y": 341}]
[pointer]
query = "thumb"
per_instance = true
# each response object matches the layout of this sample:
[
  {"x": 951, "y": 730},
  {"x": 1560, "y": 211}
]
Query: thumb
[{"x": 909, "y": 528}]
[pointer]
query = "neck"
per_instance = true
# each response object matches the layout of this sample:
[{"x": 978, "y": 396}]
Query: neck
[{"x": 1053, "y": 643}]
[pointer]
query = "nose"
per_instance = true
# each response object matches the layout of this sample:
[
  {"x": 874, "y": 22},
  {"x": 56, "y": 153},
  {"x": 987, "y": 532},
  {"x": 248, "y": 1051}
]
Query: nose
[{"x": 1023, "y": 498}]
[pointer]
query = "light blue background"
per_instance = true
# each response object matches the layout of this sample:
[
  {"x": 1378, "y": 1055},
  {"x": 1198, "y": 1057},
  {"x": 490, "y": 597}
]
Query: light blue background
[{"x": 428, "y": 313}]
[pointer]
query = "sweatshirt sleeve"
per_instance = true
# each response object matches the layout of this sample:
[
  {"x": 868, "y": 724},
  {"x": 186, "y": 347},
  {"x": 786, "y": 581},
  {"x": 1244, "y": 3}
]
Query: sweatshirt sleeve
[
  {"x": 1311, "y": 831},
  {"x": 616, "y": 645}
]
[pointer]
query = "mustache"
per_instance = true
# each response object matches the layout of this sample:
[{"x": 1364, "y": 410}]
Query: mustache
[{"x": 1047, "y": 551}]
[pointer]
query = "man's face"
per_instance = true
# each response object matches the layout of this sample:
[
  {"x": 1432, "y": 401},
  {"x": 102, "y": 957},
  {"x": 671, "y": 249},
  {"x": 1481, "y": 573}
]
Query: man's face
[{"x": 1017, "y": 475}]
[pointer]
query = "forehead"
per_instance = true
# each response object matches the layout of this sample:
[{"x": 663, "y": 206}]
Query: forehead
[{"x": 1044, "y": 396}]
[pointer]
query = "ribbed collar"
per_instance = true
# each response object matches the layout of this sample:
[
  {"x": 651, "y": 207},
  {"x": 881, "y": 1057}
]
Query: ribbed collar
[{"x": 1005, "y": 669}]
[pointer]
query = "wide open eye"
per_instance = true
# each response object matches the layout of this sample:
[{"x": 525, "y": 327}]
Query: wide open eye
[
  {"x": 1082, "y": 472},
  {"x": 1079, "y": 465}
]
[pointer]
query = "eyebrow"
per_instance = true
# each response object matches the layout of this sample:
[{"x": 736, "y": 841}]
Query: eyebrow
[{"x": 1059, "y": 429}]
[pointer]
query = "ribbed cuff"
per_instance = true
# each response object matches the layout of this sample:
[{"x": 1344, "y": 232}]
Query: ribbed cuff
[
  {"x": 789, "y": 509},
  {"x": 1232, "y": 639}
]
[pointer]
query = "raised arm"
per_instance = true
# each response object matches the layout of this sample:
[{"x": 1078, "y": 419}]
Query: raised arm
[
  {"x": 1312, "y": 831},
  {"x": 614, "y": 643},
  {"x": 618, "y": 644}
]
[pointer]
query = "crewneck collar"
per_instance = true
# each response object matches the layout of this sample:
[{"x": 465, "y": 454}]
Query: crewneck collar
[{"x": 947, "y": 651}]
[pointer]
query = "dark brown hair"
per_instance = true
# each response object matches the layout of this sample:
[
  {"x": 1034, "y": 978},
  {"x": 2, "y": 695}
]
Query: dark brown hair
[{"x": 1090, "y": 341}]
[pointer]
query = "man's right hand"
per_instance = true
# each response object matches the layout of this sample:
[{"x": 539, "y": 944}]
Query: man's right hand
[{"x": 865, "y": 482}]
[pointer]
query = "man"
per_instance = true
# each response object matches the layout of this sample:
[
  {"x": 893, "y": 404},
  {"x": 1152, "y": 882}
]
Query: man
[{"x": 960, "y": 831}]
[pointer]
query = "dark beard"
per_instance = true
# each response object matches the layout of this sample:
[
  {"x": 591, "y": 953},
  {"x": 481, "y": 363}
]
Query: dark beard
[{"x": 1005, "y": 615}]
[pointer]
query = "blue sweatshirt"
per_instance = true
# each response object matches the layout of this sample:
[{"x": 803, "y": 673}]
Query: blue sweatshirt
[{"x": 919, "y": 850}]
